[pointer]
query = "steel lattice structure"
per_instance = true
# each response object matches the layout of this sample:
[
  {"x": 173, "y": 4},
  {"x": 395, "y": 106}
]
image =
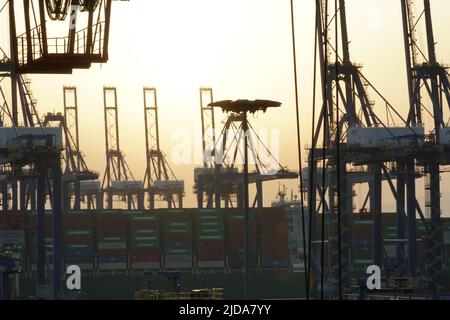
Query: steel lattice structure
[
  {"x": 159, "y": 177},
  {"x": 428, "y": 83}
]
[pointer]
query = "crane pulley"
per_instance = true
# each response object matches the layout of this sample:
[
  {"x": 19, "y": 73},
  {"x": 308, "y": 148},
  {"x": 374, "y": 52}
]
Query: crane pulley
[{"x": 58, "y": 9}]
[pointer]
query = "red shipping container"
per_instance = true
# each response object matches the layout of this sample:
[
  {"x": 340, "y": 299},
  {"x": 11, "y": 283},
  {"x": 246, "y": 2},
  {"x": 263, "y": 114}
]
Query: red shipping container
[
  {"x": 274, "y": 244},
  {"x": 79, "y": 240},
  {"x": 205, "y": 255},
  {"x": 210, "y": 252},
  {"x": 210, "y": 243},
  {"x": 15, "y": 220},
  {"x": 108, "y": 227},
  {"x": 74, "y": 225},
  {"x": 146, "y": 251},
  {"x": 145, "y": 258},
  {"x": 274, "y": 255}
]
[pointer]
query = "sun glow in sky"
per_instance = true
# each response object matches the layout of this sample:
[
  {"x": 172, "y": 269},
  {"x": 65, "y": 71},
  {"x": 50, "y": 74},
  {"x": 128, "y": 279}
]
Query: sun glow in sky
[{"x": 242, "y": 49}]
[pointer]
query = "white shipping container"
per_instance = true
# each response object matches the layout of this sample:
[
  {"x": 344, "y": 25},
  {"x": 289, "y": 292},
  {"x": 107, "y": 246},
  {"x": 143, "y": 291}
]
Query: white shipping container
[{"x": 377, "y": 137}]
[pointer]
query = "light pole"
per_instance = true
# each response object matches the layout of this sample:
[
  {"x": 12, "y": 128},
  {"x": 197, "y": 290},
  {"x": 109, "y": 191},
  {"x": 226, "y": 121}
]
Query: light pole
[{"x": 242, "y": 107}]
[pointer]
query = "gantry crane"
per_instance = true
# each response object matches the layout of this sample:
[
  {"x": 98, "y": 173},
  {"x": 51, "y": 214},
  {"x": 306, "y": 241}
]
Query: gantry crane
[
  {"x": 208, "y": 143},
  {"x": 428, "y": 82},
  {"x": 32, "y": 153},
  {"x": 75, "y": 167},
  {"x": 220, "y": 178},
  {"x": 348, "y": 133},
  {"x": 85, "y": 181},
  {"x": 159, "y": 177},
  {"x": 118, "y": 179}
]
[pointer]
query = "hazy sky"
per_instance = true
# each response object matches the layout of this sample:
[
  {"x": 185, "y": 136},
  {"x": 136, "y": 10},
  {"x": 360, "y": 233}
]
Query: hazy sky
[{"x": 241, "y": 48}]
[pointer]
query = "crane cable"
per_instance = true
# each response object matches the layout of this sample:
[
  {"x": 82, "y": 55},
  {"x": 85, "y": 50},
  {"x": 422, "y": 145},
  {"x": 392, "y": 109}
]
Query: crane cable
[
  {"x": 338, "y": 160},
  {"x": 311, "y": 154},
  {"x": 324, "y": 158},
  {"x": 297, "y": 106}
]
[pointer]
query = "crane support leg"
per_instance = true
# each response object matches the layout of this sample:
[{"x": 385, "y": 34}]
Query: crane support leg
[
  {"x": 400, "y": 212},
  {"x": 259, "y": 194},
  {"x": 57, "y": 231},
  {"x": 40, "y": 228},
  {"x": 376, "y": 208},
  {"x": 15, "y": 204},
  {"x": 411, "y": 212},
  {"x": 436, "y": 229}
]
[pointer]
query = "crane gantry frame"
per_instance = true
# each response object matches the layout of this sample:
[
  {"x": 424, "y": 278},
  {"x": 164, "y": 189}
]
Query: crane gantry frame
[{"x": 33, "y": 52}]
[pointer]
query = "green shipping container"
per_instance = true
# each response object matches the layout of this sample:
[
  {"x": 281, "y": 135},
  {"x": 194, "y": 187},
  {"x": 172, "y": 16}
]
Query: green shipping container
[
  {"x": 146, "y": 245},
  {"x": 178, "y": 251},
  {"x": 111, "y": 239},
  {"x": 84, "y": 232},
  {"x": 148, "y": 218},
  {"x": 151, "y": 232}
]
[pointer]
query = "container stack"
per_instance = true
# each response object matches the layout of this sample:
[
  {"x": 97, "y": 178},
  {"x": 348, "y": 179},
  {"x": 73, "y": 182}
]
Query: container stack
[
  {"x": 295, "y": 235},
  {"x": 362, "y": 240},
  {"x": 13, "y": 236},
  {"x": 111, "y": 227},
  {"x": 390, "y": 233},
  {"x": 178, "y": 238},
  {"x": 273, "y": 238},
  {"x": 145, "y": 241},
  {"x": 79, "y": 239},
  {"x": 31, "y": 226},
  {"x": 421, "y": 243},
  {"x": 234, "y": 231},
  {"x": 210, "y": 241},
  {"x": 446, "y": 248}
]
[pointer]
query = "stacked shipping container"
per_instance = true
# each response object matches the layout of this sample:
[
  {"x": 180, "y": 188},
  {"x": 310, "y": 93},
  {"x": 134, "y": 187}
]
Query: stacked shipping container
[
  {"x": 234, "y": 226},
  {"x": 112, "y": 253},
  {"x": 210, "y": 241},
  {"x": 273, "y": 237},
  {"x": 31, "y": 227},
  {"x": 421, "y": 244},
  {"x": 144, "y": 241},
  {"x": 13, "y": 236},
  {"x": 362, "y": 240},
  {"x": 295, "y": 234},
  {"x": 390, "y": 233},
  {"x": 79, "y": 239},
  {"x": 178, "y": 239},
  {"x": 446, "y": 248},
  {"x": 141, "y": 240}
]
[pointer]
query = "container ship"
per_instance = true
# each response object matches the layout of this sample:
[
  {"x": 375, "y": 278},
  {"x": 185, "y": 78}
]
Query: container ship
[{"x": 120, "y": 252}]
